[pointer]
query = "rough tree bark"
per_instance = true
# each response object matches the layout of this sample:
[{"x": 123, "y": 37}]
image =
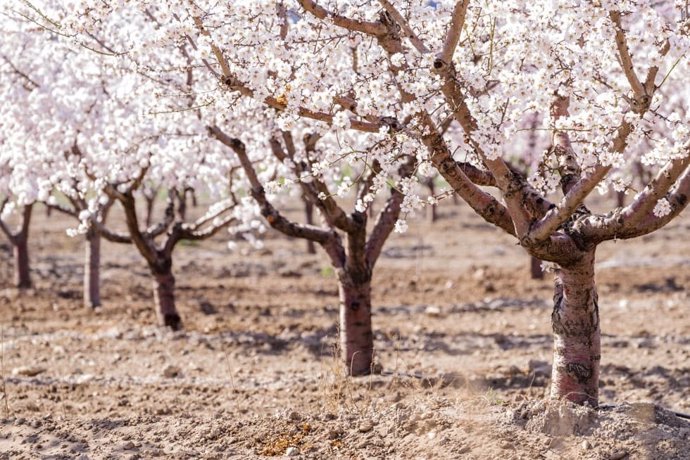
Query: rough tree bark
[
  {"x": 577, "y": 340},
  {"x": 92, "y": 269},
  {"x": 356, "y": 333},
  {"x": 164, "y": 296}
]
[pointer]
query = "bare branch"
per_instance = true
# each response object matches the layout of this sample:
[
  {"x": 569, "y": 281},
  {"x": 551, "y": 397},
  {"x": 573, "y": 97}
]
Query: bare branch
[
  {"x": 385, "y": 222},
  {"x": 203, "y": 220},
  {"x": 570, "y": 202},
  {"x": 483, "y": 203},
  {"x": 228, "y": 76},
  {"x": 649, "y": 82},
  {"x": 272, "y": 216},
  {"x": 16, "y": 70},
  {"x": 282, "y": 12},
  {"x": 112, "y": 236},
  {"x": 324, "y": 199},
  {"x": 141, "y": 241},
  {"x": 194, "y": 234},
  {"x": 568, "y": 168},
  {"x": 645, "y": 201},
  {"x": 63, "y": 209},
  {"x": 161, "y": 227},
  {"x": 26, "y": 220}
]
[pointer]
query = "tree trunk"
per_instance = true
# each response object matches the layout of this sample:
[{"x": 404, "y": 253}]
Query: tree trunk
[
  {"x": 164, "y": 296},
  {"x": 22, "y": 272},
  {"x": 620, "y": 199},
  {"x": 356, "y": 335},
  {"x": 92, "y": 270},
  {"x": 577, "y": 340},
  {"x": 432, "y": 210},
  {"x": 309, "y": 215},
  {"x": 535, "y": 269}
]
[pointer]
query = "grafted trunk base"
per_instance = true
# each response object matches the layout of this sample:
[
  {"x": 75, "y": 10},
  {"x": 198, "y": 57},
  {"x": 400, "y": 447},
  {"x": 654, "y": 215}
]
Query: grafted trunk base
[
  {"x": 164, "y": 296},
  {"x": 356, "y": 335},
  {"x": 577, "y": 337}
]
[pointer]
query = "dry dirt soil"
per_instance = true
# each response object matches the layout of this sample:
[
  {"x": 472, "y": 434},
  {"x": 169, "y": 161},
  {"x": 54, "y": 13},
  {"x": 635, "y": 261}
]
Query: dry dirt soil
[{"x": 462, "y": 335}]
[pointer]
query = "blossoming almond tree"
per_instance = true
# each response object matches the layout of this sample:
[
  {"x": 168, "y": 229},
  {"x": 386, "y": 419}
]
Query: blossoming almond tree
[
  {"x": 84, "y": 125},
  {"x": 171, "y": 229},
  {"x": 606, "y": 78},
  {"x": 354, "y": 258}
]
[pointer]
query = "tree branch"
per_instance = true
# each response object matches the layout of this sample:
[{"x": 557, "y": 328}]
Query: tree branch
[
  {"x": 141, "y": 242},
  {"x": 158, "y": 229},
  {"x": 387, "y": 217},
  {"x": 272, "y": 216},
  {"x": 113, "y": 237},
  {"x": 366, "y": 27},
  {"x": 624, "y": 56},
  {"x": 457, "y": 23},
  {"x": 405, "y": 26},
  {"x": 63, "y": 209},
  {"x": 483, "y": 203},
  {"x": 622, "y": 224}
]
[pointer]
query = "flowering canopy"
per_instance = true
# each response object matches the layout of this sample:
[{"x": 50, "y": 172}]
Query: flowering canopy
[{"x": 458, "y": 85}]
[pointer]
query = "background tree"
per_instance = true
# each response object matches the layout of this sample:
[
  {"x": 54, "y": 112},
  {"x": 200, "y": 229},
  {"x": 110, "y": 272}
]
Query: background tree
[
  {"x": 19, "y": 239},
  {"x": 95, "y": 126},
  {"x": 354, "y": 258}
]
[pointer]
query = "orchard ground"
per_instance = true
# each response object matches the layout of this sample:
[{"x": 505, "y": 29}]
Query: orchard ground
[{"x": 463, "y": 336}]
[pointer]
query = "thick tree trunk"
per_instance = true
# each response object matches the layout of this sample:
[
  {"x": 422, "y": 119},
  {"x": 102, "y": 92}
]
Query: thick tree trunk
[
  {"x": 356, "y": 335},
  {"x": 535, "y": 269},
  {"x": 92, "y": 270},
  {"x": 22, "y": 271},
  {"x": 164, "y": 296},
  {"x": 577, "y": 340}
]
